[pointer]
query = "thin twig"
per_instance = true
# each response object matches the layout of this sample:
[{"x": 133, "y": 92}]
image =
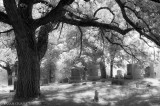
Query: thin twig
[{"x": 6, "y": 31}]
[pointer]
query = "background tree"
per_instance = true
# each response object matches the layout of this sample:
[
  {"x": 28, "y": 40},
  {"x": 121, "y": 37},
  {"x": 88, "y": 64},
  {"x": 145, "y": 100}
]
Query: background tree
[{"x": 8, "y": 54}]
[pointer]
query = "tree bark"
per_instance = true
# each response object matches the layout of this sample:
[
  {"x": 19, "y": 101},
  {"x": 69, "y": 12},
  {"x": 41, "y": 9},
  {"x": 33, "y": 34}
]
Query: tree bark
[
  {"x": 111, "y": 68},
  {"x": 30, "y": 52},
  {"x": 9, "y": 72},
  {"x": 28, "y": 85},
  {"x": 28, "y": 49}
]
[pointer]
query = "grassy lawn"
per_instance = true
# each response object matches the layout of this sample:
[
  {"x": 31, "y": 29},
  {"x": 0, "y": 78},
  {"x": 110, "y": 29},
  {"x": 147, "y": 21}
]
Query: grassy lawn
[{"x": 83, "y": 95}]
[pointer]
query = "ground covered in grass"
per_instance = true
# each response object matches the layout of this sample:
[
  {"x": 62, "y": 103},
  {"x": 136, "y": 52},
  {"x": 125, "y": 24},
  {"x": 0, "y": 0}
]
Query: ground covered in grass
[{"x": 145, "y": 92}]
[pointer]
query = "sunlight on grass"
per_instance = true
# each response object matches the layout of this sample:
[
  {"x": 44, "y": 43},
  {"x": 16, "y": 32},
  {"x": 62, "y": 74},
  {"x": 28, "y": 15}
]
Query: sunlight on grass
[
  {"x": 109, "y": 95},
  {"x": 60, "y": 96},
  {"x": 145, "y": 96},
  {"x": 35, "y": 103}
]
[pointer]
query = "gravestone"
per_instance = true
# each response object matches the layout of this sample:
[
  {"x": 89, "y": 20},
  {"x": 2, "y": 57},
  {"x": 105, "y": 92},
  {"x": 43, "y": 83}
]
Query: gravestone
[
  {"x": 93, "y": 73},
  {"x": 134, "y": 71},
  {"x": 118, "y": 80},
  {"x": 129, "y": 72},
  {"x": 149, "y": 71},
  {"x": 119, "y": 74},
  {"x": 76, "y": 75},
  {"x": 129, "y": 69},
  {"x": 3, "y": 78}
]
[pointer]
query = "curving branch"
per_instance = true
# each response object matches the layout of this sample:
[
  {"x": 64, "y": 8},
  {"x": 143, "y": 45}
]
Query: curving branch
[
  {"x": 42, "y": 42},
  {"x": 145, "y": 41},
  {"x": 154, "y": 38},
  {"x": 136, "y": 14},
  {"x": 43, "y": 2},
  {"x": 156, "y": 1},
  {"x": 87, "y": 23},
  {"x": 25, "y": 7},
  {"x": 54, "y": 14},
  {"x": 124, "y": 47},
  {"x": 4, "y": 18},
  {"x": 95, "y": 13},
  {"x": 6, "y": 31}
]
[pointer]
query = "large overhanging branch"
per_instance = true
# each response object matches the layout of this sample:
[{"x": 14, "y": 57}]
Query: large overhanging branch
[
  {"x": 4, "y": 18},
  {"x": 25, "y": 6},
  {"x": 12, "y": 12},
  {"x": 126, "y": 48},
  {"x": 156, "y": 1},
  {"x": 88, "y": 23},
  {"x": 137, "y": 28},
  {"x": 54, "y": 14},
  {"x": 42, "y": 41},
  {"x": 95, "y": 13},
  {"x": 6, "y": 31}
]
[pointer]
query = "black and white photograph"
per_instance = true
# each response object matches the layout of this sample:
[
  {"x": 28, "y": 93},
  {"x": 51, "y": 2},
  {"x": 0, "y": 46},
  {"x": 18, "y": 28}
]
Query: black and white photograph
[{"x": 79, "y": 52}]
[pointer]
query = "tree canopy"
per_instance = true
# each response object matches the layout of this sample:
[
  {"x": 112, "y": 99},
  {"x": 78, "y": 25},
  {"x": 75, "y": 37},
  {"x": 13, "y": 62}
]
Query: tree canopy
[{"x": 139, "y": 15}]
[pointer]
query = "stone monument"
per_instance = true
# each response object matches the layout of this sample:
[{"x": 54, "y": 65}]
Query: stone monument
[
  {"x": 76, "y": 75},
  {"x": 93, "y": 73},
  {"x": 149, "y": 71},
  {"x": 134, "y": 71}
]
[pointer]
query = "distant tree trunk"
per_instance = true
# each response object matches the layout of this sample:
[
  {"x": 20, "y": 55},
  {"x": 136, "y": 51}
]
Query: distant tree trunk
[
  {"x": 103, "y": 70},
  {"x": 50, "y": 73},
  {"x": 9, "y": 71},
  {"x": 111, "y": 68},
  {"x": 10, "y": 79}
]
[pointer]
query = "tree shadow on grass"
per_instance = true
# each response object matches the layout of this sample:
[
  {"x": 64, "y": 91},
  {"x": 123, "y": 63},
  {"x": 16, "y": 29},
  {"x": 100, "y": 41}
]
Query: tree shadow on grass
[
  {"x": 71, "y": 96},
  {"x": 137, "y": 99},
  {"x": 43, "y": 101}
]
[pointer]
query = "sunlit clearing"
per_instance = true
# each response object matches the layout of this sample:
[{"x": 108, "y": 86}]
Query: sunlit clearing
[
  {"x": 154, "y": 82},
  {"x": 145, "y": 95},
  {"x": 60, "y": 96},
  {"x": 35, "y": 103}
]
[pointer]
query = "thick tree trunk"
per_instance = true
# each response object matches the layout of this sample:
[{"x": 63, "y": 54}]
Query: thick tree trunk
[
  {"x": 28, "y": 75},
  {"x": 29, "y": 50},
  {"x": 28, "y": 85}
]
